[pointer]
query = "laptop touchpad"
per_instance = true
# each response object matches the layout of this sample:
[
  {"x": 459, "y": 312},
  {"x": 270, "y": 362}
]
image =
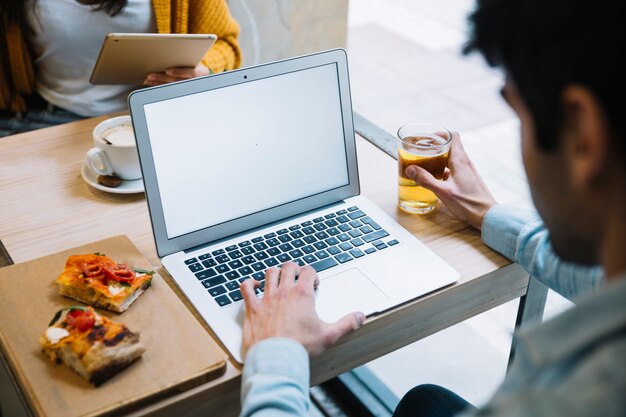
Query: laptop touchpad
[{"x": 346, "y": 292}]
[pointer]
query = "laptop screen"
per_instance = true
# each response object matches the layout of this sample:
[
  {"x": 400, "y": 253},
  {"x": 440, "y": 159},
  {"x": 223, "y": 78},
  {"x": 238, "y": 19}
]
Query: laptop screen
[{"x": 233, "y": 151}]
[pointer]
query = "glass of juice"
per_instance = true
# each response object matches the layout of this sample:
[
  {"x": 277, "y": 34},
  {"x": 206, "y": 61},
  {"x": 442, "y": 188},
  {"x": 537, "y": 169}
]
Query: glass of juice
[{"x": 426, "y": 145}]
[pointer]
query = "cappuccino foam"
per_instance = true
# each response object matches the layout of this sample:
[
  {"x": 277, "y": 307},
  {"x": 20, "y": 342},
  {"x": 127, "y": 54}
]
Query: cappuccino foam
[{"x": 119, "y": 135}]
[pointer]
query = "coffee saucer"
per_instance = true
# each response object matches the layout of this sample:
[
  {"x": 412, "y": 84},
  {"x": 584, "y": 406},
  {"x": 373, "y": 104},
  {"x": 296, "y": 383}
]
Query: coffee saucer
[{"x": 126, "y": 187}]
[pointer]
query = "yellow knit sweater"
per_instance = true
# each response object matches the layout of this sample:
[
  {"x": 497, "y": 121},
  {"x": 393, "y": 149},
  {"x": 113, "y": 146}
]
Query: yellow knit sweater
[{"x": 172, "y": 16}]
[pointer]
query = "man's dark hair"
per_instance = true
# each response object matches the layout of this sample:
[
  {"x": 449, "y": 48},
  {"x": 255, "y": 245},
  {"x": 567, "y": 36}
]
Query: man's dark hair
[{"x": 546, "y": 45}]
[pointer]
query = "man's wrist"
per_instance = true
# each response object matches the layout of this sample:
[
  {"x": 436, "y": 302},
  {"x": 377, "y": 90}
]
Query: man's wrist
[
  {"x": 502, "y": 225},
  {"x": 483, "y": 215},
  {"x": 279, "y": 355}
]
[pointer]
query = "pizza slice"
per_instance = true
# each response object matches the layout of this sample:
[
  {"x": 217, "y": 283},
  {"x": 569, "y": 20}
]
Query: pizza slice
[
  {"x": 91, "y": 345},
  {"x": 99, "y": 281}
]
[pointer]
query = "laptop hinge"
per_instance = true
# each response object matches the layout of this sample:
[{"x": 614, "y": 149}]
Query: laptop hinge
[{"x": 264, "y": 226}]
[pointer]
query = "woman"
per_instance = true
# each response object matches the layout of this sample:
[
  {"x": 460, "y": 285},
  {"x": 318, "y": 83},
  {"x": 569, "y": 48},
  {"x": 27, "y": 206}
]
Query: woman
[{"x": 49, "y": 47}]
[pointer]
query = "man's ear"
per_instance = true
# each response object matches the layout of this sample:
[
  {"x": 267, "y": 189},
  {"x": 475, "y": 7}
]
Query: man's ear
[{"x": 587, "y": 140}]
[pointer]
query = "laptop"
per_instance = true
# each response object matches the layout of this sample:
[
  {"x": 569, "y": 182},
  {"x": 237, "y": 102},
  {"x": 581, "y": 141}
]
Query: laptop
[{"x": 248, "y": 169}]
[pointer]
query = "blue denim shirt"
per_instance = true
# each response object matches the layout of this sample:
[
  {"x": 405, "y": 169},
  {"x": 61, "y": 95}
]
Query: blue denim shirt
[
  {"x": 572, "y": 365},
  {"x": 520, "y": 235}
]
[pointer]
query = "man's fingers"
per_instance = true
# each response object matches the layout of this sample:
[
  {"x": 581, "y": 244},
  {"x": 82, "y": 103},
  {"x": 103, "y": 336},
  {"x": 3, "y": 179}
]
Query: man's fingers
[
  {"x": 271, "y": 280},
  {"x": 424, "y": 178},
  {"x": 457, "y": 151},
  {"x": 249, "y": 296},
  {"x": 308, "y": 278},
  {"x": 288, "y": 273},
  {"x": 446, "y": 174},
  {"x": 345, "y": 325}
]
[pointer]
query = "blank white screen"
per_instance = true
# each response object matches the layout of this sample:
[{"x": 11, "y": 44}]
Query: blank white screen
[{"x": 229, "y": 152}]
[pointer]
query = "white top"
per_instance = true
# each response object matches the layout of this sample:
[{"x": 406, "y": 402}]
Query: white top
[{"x": 66, "y": 42}]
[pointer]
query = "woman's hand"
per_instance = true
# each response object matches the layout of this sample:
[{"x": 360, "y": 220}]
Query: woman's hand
[{"x": 176, "y": 74}]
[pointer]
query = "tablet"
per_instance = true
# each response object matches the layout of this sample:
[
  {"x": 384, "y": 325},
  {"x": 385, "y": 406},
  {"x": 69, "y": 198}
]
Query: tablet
[{"x": 126, "y": 58}]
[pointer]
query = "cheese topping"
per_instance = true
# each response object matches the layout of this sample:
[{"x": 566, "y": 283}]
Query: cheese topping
[
  {"x": 115, "y": 289},
  {"x": 54, "y": 334}
]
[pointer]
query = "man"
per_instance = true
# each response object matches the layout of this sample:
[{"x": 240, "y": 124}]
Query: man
[{"x": 562, "y": 81}]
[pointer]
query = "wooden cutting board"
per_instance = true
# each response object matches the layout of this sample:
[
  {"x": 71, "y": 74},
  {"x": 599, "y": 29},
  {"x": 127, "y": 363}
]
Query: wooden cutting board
[{"x": 179, "y": 353}]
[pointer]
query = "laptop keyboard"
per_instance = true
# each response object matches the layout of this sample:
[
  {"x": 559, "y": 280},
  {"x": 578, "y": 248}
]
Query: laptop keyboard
[{"x": 323, "y": 242}]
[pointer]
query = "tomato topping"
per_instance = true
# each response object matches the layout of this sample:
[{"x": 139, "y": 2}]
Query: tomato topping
[
  {"x": 82, "y": 320},
  {"x": 120, "y": 272},
  {"x": 92, "y": 268}
]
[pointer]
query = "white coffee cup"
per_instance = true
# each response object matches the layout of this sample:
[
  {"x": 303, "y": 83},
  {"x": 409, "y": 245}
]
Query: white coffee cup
[{"x": 115, "y": 151}]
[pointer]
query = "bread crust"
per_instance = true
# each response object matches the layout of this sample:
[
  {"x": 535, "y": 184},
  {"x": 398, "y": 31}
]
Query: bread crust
[{"x": 94, "y": 298}]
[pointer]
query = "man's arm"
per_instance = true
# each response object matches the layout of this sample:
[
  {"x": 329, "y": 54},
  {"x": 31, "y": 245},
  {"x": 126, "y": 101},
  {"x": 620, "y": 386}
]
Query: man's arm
[
  {"x": 520, "y": 235},
  {"x": 280, "y": 332},
  {"x": 275, "y": 380},
  {"x": 516, "y": 233}
]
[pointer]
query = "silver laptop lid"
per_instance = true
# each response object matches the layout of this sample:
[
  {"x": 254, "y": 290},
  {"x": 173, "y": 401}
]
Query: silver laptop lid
[{"x": 234, "y": 151}]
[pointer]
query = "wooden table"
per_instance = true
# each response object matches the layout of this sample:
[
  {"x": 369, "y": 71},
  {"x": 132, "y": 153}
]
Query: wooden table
[{"x": 45, "y": 207}]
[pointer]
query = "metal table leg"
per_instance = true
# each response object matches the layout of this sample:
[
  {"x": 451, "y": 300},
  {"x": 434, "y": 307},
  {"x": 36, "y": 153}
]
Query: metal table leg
[{"x": 530, "y": 311}]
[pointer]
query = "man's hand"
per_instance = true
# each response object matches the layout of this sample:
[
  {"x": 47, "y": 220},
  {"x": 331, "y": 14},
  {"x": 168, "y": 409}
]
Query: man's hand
[
  {"x": 175, "y": 74},
  {"x": 462, "y": 190},
  {"x": 287, "y": 309}
]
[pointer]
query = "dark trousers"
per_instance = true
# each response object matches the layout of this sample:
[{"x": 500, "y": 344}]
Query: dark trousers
[
  {"x": 430, "y": 401},
  {"x": 41, "y": 114}
]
